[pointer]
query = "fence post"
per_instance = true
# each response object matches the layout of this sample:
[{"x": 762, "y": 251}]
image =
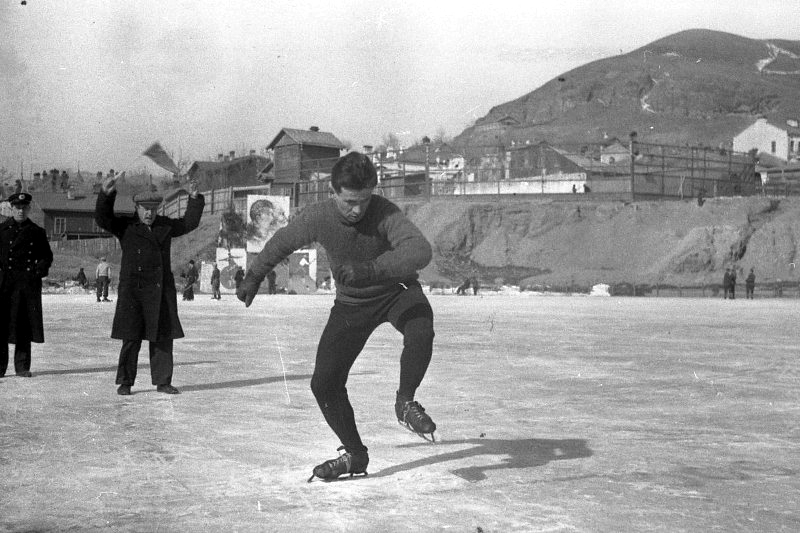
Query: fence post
[{"x": 631, "y": 146}]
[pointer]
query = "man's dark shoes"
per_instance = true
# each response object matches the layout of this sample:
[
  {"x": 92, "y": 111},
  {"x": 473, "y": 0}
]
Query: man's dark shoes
[
  {"x": 124, "y": 390},
  {"x": 167, "y": 389},
  {"x": 347, "y": 463},
  {"x": 412, "y": 415},
  {"x": 25, "y": 374}
]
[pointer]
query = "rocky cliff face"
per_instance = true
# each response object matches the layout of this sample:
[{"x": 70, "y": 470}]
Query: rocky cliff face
[{"x": 585, "y": 243}]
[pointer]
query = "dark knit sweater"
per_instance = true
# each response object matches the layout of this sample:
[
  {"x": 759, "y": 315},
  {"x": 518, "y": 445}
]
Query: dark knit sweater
[{"x": 384, "y": 237}]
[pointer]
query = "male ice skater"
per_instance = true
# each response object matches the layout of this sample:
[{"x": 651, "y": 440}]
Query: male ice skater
[
  {"x": 375, "y": 253},
  {"x": 25, "y": 258},
  {"x": 147, "y": 303}
]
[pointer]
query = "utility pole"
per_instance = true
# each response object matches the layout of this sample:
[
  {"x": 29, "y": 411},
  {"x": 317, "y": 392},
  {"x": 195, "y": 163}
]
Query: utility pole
[{"x": 427, "y": 143}]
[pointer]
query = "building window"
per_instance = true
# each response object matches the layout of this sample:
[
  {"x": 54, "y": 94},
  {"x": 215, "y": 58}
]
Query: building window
[
  {"x": 59, "y": 226},
  {"x": 774, "y": 146},
  {"x": 791, "y": 145}
]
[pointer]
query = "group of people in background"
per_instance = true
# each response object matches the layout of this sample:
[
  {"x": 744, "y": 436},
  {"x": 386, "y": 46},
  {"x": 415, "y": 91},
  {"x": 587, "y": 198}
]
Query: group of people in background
[
  {"x": 729, "y": 284},
  {"x": 190, "y": 277}
]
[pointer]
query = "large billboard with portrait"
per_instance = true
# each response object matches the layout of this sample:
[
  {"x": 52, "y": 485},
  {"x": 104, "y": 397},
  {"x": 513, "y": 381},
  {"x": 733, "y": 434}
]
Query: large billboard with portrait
[{"x": 265, "y": 215}]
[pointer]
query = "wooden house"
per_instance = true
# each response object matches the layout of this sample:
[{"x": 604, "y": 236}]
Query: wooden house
[{"x": 300, "y": 155}]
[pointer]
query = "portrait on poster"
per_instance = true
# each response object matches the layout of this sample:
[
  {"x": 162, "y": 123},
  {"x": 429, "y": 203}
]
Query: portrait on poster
[{"x": 265, "y": 216}]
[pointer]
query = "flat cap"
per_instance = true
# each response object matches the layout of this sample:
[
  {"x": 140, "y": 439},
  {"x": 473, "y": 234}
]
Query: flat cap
[
  {"x": 20, "y": 198},
  {"x": 148, "y": 199}
]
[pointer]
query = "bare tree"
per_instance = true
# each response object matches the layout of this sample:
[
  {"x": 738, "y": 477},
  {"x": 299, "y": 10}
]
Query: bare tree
[
  {"x": 440, "y": 136},
  {"x": 391, "y": 141}
]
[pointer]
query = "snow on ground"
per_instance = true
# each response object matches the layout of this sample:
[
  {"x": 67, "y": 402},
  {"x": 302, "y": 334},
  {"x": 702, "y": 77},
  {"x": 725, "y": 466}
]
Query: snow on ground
[{"x": 554, "y": 414}]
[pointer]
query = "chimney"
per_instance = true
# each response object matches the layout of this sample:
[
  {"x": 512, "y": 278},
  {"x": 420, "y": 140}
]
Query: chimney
[
  {"x": 232, "y": 153},
  {"x": 368, "y": 148},
  {"x": 219, "y": 157},
  {"x": 314, "y": 128},
  {"x": 252, "y": 152}
]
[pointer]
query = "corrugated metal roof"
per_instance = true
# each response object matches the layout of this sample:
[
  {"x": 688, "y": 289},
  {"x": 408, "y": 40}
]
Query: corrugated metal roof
[{"x": 314, "y": 138}]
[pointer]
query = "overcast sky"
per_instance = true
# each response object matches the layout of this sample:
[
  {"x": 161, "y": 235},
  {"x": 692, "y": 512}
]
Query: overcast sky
[{"x": 92, "y": 83}]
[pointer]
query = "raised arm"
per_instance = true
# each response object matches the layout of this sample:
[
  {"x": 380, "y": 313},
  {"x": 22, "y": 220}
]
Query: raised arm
[
  {"x": 194, "y": 212},
  {"x": 104, "y": 208}
]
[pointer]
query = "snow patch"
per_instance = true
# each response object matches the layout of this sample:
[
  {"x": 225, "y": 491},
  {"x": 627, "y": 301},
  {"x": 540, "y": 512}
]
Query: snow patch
[{"x": 601, "y": 289}]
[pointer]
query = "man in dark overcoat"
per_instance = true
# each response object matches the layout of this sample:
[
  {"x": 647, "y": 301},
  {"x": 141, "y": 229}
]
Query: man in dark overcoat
[
  {"x": 25, "y": 258},
  {"x": 147, "y": 302}
]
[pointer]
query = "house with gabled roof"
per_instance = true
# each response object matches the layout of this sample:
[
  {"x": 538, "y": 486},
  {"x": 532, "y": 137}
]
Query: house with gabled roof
[
  {"x": 299, "y": 155},
  {"x": 777, "y": 138},
  {"x": 614, "y": 151}
]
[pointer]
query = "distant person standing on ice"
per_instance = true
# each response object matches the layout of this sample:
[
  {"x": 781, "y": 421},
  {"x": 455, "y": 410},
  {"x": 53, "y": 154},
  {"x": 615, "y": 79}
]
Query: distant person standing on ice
[
  {"x": 147, "y": 302},
  {"x": 215, "y": 293},
  {"x": 726, "y": 283},
  {"x": 190, "y": 278},
  {"x": 749, "y": 285},
  {"x": 238, "y": 277},
  {"x": 25, "y": 258},
  {"x": 733, "y": 283},
  {"x": 102, "y": 275},
  {"x": 375, "y": 253}
]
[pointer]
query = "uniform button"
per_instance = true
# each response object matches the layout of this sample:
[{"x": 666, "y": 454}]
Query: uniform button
[{"x": 140, "y": 269}]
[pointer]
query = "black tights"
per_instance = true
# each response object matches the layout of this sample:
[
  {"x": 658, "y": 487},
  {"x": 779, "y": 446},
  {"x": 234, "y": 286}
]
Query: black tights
[{"x": 347, "y": 331}]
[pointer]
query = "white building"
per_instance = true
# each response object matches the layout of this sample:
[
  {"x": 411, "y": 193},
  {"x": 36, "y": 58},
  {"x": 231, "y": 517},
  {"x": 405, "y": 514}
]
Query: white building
[{"x": 766, "y": 136}]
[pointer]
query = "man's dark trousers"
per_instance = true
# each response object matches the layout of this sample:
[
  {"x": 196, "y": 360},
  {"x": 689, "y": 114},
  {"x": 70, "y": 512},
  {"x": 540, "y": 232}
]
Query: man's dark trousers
[
  {"x": 22, "y": 356},
  {"x": 160, "y": 362}
]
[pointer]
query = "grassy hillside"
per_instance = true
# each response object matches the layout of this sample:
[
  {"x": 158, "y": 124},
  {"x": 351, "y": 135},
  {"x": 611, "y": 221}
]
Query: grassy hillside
[{"x": 696, "y": 86}]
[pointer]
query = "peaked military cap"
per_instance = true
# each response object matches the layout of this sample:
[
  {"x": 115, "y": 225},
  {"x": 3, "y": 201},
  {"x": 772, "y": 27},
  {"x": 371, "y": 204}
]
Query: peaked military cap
[{"x": 20, "y": 198}]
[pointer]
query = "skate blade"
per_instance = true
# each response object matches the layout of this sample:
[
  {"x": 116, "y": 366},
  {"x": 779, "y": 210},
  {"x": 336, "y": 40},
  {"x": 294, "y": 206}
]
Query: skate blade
[
  {"x": 429, "y": 437},
  {"x": 343, "y": 477}
]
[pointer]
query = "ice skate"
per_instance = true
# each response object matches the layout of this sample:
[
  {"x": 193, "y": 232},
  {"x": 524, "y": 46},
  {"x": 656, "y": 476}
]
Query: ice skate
[
  {"x": 346, "y": 463},
  {"x": 412, "y": 415}
]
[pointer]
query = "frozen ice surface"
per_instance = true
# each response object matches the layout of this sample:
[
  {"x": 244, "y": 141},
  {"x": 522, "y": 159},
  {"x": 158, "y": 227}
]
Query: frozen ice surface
[{"x": 554, "y": 414}]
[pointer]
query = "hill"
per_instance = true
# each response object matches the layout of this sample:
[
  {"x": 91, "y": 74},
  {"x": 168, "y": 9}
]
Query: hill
[{"x": 696, "y": 86}]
